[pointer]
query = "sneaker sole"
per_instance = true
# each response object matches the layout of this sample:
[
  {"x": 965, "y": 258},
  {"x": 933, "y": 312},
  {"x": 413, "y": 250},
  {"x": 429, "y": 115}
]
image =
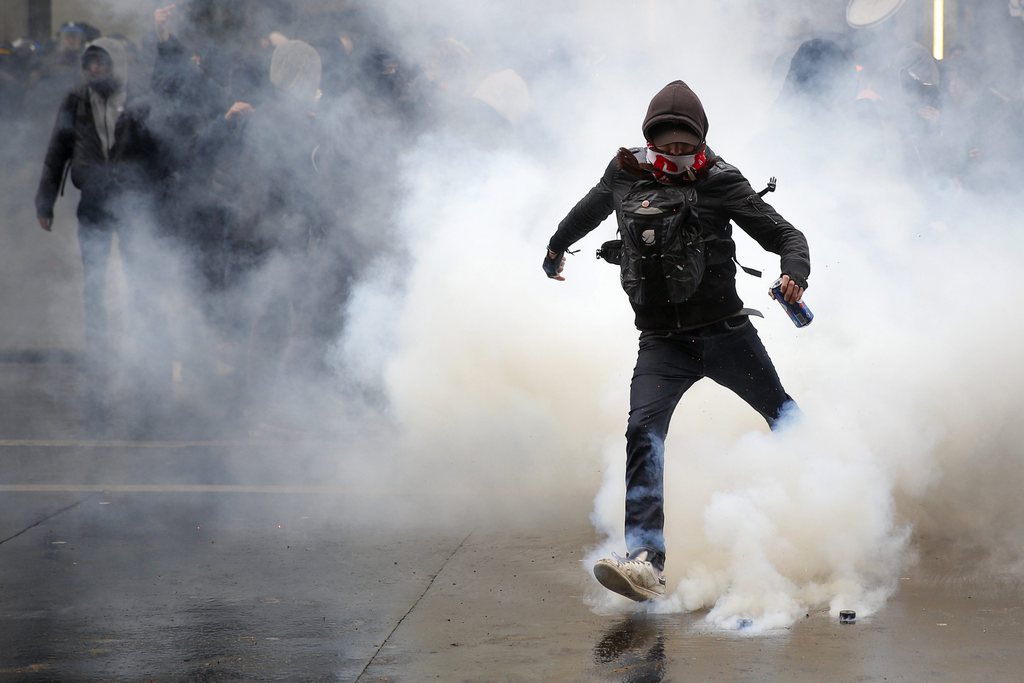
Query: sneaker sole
[{"x": 608, "y": 575}]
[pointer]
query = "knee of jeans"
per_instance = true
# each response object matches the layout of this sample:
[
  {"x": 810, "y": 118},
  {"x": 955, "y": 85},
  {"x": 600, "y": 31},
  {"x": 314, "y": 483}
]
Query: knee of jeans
[
  {"x": 641, "y": 434},
  {"x": 636, "y": 429}
]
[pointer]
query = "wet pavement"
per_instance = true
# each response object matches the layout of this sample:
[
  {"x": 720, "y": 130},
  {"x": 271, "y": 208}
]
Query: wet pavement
[{"x": 206, "y": 559}]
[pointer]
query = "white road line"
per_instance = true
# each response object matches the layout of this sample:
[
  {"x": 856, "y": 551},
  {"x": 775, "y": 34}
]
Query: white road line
[
  {"x": 169, "y": 488},
  {"x": 215, "y": 443}
]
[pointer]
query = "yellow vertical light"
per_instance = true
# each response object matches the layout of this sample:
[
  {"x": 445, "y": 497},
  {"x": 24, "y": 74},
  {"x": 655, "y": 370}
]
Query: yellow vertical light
[{"x": 938, "y": 29}]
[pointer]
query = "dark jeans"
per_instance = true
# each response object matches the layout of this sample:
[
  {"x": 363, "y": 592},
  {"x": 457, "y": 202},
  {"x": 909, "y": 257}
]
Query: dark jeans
[
  {"x": 148, "y": 367},
  {"x": 95, "y": 242},
  {"x": 729, "y": 352}
]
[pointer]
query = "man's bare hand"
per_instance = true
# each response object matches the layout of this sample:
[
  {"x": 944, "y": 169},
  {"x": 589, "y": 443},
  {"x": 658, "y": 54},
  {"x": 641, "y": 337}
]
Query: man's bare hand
[
  {"x": 238, "y": 110},
  {"x": 162, "y": 22},
  {"x": 45, "y": 223},
  {"x": 791, "y": 291}
]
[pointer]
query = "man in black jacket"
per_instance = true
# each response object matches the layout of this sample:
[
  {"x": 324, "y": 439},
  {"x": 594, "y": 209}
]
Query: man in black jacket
[
  {"x": 674, "y": 200},
  {"x": 101, "y": 133}
]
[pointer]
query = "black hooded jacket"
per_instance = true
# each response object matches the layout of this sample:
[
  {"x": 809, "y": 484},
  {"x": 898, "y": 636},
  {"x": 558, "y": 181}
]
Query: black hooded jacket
[
  {"x": 723, "y": 196},
  {"x": 133, "y": 163}
]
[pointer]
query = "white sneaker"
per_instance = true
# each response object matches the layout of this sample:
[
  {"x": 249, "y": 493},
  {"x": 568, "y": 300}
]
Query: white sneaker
[{"x": 634, "y": 577}]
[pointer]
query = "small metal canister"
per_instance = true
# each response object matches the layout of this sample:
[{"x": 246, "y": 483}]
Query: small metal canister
[{"x": 798, "y": 312}]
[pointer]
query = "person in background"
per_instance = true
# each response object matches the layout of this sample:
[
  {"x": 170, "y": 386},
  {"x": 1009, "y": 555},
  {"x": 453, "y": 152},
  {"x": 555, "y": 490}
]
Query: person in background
[
  {"x": 272, "y": 167},
  {"x": 59, "y": 70},
  {"x": 102, "y": 139}
]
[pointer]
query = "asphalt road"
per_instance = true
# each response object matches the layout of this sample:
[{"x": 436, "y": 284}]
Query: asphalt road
[{"x": 207, "y": 559}]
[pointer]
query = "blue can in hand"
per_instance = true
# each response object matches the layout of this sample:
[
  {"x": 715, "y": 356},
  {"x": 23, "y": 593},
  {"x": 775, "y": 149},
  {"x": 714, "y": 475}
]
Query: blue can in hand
[{"x": 798, "y": 312}]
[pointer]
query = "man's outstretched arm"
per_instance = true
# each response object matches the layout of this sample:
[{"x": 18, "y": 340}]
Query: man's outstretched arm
[{"x": 588, "y": 213}]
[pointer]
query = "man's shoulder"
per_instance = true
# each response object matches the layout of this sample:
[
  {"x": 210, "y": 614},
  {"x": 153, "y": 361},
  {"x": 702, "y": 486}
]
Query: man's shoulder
[
  {"x": 75, "y": 95},
  {"x": 722, "y": 170},
  {"x": 722, "y": 176},
  {"x": 639, "y": 153},
  {"x": 69, "y": 110},
  {"x": 613, "y": 171}
]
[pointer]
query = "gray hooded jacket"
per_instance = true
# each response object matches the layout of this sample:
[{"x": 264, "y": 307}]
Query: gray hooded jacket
[{"x": 107, "y": 109}]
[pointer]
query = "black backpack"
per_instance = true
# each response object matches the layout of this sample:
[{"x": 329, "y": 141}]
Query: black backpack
[{"x": 661, "y": 253}]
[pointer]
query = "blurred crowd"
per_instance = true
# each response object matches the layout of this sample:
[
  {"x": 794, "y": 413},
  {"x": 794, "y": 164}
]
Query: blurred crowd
[
  {"x": 258, "y": 143},
  {"x": 956, "y": 121}
]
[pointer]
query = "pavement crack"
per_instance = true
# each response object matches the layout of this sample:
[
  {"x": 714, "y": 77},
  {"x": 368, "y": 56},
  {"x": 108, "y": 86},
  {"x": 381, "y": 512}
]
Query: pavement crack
[
  {"x": 50, "y": 516},
  {"x": 413, "y": 606}
]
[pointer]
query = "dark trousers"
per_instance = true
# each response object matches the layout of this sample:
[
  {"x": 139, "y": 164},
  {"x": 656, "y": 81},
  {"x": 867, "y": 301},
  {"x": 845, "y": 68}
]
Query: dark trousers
[
  {"x": 94, "y": 241},
  {"x": 147, "y": 368},
  {"x": 729, "y": 352}
]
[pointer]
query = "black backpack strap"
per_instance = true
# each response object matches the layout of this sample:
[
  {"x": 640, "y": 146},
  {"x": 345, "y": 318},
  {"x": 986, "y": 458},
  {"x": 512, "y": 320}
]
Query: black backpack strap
[
  {"x": 772, "y": 184},
  {"x": 77, "y": 108},
  {"x": 64, "y": 176},
  {"x": 748, "y": 271}
]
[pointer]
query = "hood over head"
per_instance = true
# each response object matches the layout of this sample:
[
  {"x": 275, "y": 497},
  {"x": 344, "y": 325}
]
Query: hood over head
[
  {"x": 676, "y": 115},
  {"x": 918, "y": 74},
  {"x": 115, "y": 50},
  {"x": 295, "y": 70},
  {"x": 821, "y": 73},
  {"x": 914, "y": 62}
]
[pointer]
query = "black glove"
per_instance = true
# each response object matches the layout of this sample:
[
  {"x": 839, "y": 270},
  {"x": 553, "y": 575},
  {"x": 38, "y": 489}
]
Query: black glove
[{"x": 553, "y": 263}]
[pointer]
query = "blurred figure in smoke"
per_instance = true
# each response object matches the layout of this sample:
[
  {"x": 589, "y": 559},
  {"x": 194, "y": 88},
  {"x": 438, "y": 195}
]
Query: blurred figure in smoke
[
  {"x": 10, "y": 87},
  {"x": 59, "y": 71},
  {"x": 506, "y": 99},
  {"x": 386, "y": 81},
  {"x": 72, "y": 37},
  {"x": 819, "y": 100},
  {"x": 821, "y": 76},
  {"x": 189, "y": 100},
  {"x": 19, "y": 64},
  {"x": 102, "y": 136},
  {"x": 445, "y": 83},
  {"x": 918, "y": 117},
  {"x": 270, "y": 171},
  {"x": 983, "y": 113},
  {"x": 453, "y": 91},
  {"x": 674, "y": 200}
]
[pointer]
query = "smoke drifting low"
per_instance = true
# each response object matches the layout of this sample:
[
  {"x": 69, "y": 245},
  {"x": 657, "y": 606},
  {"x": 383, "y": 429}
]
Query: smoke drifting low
[
  {"x": 470, "y": 385},
  {"x": 906, "y": 378}
]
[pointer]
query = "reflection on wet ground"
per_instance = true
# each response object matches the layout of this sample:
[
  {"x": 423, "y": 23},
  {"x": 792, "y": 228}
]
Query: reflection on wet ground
[{"x": 634, "y": 648}]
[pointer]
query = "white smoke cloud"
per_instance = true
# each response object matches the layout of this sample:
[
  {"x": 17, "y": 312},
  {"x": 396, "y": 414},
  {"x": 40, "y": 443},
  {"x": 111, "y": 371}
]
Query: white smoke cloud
[{"x": 493, "y": 393}]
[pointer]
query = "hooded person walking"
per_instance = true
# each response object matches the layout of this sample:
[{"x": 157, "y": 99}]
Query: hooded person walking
[
  {"x": 674, "y": 199},
  {"x": 101, "y": 135}
]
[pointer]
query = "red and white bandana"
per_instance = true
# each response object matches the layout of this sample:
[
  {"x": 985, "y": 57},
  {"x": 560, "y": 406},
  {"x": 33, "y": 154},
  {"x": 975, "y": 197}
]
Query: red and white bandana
[{"x": 673, "y": 164}]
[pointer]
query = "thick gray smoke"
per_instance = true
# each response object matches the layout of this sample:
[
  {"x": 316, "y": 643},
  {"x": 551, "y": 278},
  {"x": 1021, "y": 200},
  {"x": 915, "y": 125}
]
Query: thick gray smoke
[{"x": 463, "y": 381}]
